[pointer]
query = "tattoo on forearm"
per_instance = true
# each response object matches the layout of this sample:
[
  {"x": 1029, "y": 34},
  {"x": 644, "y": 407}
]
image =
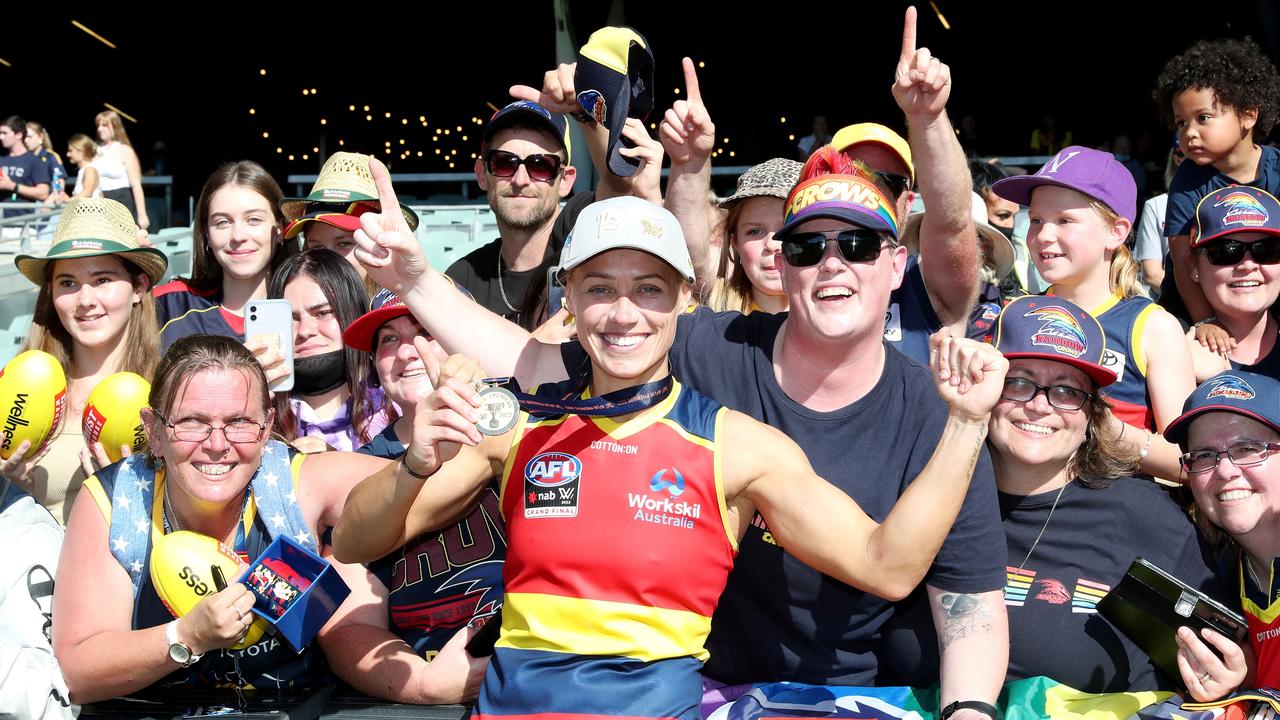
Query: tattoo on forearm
[
  {"x": 963, "y": 616},
  {"x": 977, "y": 449}
]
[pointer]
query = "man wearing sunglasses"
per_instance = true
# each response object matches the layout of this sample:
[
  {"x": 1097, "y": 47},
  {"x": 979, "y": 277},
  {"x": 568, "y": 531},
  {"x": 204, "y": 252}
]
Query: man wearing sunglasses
[
  {"x": 524, "y": 169},
  {"x": 1235, "y": 246}
]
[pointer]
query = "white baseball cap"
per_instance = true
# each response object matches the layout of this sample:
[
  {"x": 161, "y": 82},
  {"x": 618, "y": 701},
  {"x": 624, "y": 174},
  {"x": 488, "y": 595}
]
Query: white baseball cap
[{"x": 627, "y": 222}]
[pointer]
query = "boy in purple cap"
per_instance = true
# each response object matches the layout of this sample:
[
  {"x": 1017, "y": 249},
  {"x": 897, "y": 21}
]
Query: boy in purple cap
[
  {"x": 1221, "y": 96},
  {"x": 1083, "y": 204},
  {"x": 1235, "y": 259}
]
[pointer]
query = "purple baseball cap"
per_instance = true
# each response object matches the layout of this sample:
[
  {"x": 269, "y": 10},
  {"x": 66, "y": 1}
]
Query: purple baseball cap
[
  {"x": 1052, "y": 328},
  {"x": 1091, "y": 172},
  {"x": 1244, "y": 393},
  {"x": 1235, "y": 209}
]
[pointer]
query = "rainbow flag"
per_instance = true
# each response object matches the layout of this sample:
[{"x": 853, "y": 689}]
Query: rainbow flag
[{"x": 1028, "y": 699}]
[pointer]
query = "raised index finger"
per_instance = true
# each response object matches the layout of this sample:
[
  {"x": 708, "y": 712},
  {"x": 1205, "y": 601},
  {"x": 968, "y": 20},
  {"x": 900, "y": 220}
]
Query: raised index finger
[
  {"x": 691, "y": 89},
  {"x": 387, "y": 202},
  {"x": 908, "y": 36}
]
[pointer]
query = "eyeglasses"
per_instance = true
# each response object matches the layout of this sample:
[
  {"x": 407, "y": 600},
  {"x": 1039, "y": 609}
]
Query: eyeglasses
[
  {"x": 1063, "y": 397},
  {"x": 542, "y": 168},
  {"x": 236, "y": 431},
  {"x": 856, "y": 245},
  {"x": 1231, "y": 252},
  {"x": 897, "y": 184},
  {"x": 1242, "y": 454}
]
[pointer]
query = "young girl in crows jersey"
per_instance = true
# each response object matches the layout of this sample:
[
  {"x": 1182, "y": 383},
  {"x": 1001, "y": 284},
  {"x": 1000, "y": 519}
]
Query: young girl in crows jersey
[{"x": 1083, "y": 206}]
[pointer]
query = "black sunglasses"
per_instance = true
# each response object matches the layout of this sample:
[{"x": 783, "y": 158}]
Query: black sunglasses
[
  {"x": 856, "y": 245},
  {"x": 897, "y": 184},
  {"x": 1230, "y": 252},
  {"x": 542, "y": 168}
]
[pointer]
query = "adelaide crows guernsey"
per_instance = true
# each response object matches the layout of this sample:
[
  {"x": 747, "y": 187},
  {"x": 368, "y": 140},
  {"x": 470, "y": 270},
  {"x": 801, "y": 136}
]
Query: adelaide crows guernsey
[
  {"x": 1262, "y": 610},
  {"x": 1124, "y": 320},
  {"x": 617, "y": 554}
]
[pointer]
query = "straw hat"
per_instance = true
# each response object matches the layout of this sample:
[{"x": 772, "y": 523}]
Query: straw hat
[
  {"x": 344, "y": 180},
  {"x": 95, "y": 226}
]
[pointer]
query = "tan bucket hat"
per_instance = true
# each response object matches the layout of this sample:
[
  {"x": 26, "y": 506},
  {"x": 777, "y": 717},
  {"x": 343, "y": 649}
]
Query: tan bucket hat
[
  {"x": 344, "y": 185},
  {"x": 95, "y": 226}
]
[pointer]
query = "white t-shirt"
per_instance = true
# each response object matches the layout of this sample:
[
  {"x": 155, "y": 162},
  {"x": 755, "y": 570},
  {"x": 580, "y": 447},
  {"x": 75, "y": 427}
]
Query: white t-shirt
[{"x": 1151, "y": 243}]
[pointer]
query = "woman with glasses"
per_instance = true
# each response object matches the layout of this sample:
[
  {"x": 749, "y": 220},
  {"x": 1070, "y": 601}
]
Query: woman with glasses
[
  {"x": 1235, "y": 245},
  {"x": 212, "y": 468},
  {"x": 1073, "y": 516},
  {"x": 1230, "y": 429}
]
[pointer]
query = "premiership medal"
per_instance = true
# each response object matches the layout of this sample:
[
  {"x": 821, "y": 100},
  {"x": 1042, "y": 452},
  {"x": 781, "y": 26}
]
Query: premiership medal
[{"x": 499, "y": 408}]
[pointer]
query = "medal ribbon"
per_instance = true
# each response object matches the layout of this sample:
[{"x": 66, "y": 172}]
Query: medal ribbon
[{"x": 619, "y": 402}]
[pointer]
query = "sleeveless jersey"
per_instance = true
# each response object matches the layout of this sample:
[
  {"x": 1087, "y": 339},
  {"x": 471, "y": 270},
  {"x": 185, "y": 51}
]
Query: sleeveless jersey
[
  {"x": 1262, "y": 610},
  {"x": 1124, "y": 321},
  {"x": 618, "y": 552},
  {"x": 269, "y": 663}
]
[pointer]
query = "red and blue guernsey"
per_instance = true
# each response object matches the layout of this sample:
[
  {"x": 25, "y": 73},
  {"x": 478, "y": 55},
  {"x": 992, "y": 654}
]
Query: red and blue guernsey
[
  {"x": 1124, "y": 320},
  {"x": 1262, "y": 610},
  {"x": 617, "y": 554}
]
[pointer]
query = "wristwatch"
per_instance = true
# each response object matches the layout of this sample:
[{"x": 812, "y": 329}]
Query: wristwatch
[
  {"x": 178, "y": 652},
  {"x": 983, "y": 707}
]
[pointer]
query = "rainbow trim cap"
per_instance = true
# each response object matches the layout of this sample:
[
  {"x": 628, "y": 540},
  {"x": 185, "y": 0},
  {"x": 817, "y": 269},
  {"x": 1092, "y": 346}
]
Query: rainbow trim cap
[
  {"x": 852, "y": 198},
  {"x": 1052, "y": 328},
  {"x": 1235, "y": 209}
]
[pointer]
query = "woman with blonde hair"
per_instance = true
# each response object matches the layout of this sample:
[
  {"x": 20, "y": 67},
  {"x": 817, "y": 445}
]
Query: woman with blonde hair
[
  {"x": 38, "y": 142},
  {"x": 120, "y": 169},
  {"x": 95, "y": 315},
  {"x": 83, "y": 151}
]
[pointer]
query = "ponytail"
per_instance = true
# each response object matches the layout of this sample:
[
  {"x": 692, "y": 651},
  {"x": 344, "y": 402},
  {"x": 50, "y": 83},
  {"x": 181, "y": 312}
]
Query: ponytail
[
  {"x": 1124, "y": 269},
  {"x": 1124, "y": 274}
]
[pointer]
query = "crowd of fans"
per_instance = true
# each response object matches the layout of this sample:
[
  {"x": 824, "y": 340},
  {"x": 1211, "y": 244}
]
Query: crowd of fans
[{"x": 885, "y": 416}]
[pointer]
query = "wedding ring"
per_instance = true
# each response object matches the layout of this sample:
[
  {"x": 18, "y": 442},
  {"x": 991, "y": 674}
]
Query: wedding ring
[{"x": 1205, "y": 677}]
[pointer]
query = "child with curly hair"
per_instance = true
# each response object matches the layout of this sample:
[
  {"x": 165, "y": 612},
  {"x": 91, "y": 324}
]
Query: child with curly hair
[{"x": 1220, "y": 96}]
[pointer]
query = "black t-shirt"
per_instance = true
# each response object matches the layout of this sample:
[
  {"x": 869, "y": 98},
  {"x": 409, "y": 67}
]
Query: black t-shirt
[
  {"x": 478, "y": 270},
  {"x": 25, "y": 169},
  {"x": 1084, "y": 551},
  {"x": 779, "y": 619}
]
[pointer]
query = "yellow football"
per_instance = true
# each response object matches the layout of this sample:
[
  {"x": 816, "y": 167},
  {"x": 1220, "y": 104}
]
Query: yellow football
[
  {"x": 182, "y": 574},
  {"x": 111, "y": 414},
  {"x": 33, "y": 396}
]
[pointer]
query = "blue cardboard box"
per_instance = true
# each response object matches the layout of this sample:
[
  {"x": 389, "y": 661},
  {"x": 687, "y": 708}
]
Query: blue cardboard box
[{"x": 295, "y": 590}]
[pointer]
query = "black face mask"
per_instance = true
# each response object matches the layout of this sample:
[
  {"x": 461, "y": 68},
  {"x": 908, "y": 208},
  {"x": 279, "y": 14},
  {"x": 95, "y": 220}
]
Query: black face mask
[
  {"x": 1005, "y": 231},
  {"x": 321, "y": 373}
]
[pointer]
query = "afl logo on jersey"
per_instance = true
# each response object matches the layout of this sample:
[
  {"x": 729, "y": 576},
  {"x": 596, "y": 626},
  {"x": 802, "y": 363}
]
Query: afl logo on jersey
[
  {"x": 551, "y": 485},
  {"x": 553, "y": 469}
]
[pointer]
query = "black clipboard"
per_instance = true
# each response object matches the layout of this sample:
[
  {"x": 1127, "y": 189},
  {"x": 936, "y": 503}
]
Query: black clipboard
[{"x": 1149, "y": 605}]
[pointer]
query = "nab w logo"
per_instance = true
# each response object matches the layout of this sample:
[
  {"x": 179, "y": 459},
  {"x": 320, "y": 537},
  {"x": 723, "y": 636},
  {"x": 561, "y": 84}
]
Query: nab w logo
[
  {"x": 659, "y": 482},
  {"x": 1051, "y": 168}
]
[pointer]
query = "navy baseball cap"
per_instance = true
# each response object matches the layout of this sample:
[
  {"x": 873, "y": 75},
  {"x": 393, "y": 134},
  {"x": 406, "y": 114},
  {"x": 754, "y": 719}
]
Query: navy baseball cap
[
  {"x": 1244, "y": 393},
  {"x": 1235, "y": 209},
  {"x": 1090, "y": 172},
  {"x": 533, "y": 114},
  {"x": 614, "y": 80},
  {"x": 385, "y": 307},
  {"x": 1052, "y": 328}
]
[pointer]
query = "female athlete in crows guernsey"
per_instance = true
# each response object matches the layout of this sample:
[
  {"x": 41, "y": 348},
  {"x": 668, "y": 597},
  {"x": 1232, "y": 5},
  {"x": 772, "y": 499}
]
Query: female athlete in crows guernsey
[{"x": 616, "y": 558}]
